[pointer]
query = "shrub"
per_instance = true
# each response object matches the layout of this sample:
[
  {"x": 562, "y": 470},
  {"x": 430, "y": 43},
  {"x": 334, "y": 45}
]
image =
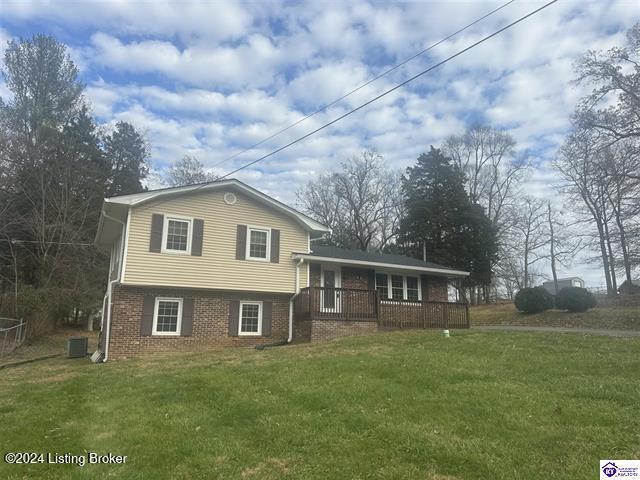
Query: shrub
[
  {"x": 533, "y": 300},
  {"x": 575, "y": 299}
]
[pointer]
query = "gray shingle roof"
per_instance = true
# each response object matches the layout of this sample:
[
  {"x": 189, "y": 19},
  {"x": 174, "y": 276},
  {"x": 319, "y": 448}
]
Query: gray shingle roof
[{"x": 358, "y": 255}]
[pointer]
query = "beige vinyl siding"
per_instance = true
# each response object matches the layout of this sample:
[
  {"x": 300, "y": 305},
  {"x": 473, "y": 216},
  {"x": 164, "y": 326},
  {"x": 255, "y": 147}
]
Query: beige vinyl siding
[{"x": 217, "y": 268}]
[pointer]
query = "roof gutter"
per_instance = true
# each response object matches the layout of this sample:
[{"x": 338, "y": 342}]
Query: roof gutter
[
  {"x": 292, "y": 299},
  {"x": 439, "y": 271}
]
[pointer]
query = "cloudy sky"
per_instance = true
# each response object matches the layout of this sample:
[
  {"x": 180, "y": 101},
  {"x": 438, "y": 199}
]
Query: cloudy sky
[{"x": 210, "y": 79}]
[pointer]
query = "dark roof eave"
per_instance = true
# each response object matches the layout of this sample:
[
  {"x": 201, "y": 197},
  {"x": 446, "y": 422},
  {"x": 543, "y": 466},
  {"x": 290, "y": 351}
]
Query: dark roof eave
[{"x": 442, "y": 271}]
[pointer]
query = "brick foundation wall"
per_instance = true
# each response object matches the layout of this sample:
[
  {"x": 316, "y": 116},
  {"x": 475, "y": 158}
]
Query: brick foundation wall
[
  {"x": 210, "y": 321},
  {"x": 329, "y": 329},
  {"x": 302, "y": 331}
]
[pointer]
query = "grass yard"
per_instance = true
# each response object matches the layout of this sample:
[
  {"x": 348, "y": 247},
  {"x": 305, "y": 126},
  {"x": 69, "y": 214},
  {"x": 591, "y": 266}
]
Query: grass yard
[
  {"x": 614, "y": 318},
  {"x": 52, "y": 344},
  {"x": 412, "y": 405}
]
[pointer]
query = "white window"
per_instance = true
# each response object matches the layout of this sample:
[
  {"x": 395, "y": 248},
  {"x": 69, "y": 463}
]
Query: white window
[
  {"x": 250, "y": 321},
  {"x": 382, "y": 285},
  {"x": 398, "y": 287},
  {"x": 413, "y": 290},
  {"x": 176, "y": 235},
  {"x": 167, "y": 316},
  {"x": 258, "y": 243}
]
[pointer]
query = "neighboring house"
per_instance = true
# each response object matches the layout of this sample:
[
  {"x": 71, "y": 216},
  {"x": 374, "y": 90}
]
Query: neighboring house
[
  {"x": 224, "y": 264},
  {"x": 630, "y": 288},
  {"x": 562, "y": 283}
]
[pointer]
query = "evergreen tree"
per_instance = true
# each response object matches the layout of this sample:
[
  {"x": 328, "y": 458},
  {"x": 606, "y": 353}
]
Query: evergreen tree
[
  {"x": 440, "y": 215},
  {"x": 128, "y": 153},
  {"x": 55, "y": 169}
]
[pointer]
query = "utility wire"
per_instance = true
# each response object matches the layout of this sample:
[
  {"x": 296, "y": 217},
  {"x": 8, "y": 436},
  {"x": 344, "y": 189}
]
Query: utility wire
[
  {"x": 351, "y": 92},
  {"x": 360, "y": 107},
  {"x": 16, "y": 242}
]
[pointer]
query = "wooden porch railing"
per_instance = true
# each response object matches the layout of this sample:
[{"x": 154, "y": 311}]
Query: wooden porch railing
[
  {"x": 317, "y": 303},
  {"x": 423, "y": 314}
]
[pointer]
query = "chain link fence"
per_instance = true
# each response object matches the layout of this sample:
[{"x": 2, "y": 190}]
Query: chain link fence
[{"x": 12, "y": 334}]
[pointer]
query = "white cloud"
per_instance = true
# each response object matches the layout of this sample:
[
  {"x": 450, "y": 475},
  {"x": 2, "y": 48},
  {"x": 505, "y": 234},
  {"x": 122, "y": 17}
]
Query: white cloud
[
  {"x": 253, "y": 62},
  {"x": 210, "y": 79},
  {"x": 187, "y": 20}
]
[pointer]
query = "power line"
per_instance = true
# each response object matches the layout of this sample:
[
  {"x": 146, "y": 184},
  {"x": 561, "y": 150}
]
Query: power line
[
  {"x": 16, "y": 241},
  {"x": 411, "y": 79},
  {"x": 351, "y": 92}
]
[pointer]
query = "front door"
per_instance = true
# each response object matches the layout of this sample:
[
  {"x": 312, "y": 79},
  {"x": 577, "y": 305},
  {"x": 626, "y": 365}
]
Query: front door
[{"x": 330, "y": 294}]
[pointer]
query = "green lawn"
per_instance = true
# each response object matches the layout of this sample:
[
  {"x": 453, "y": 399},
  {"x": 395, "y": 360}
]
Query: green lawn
[
  {"x": 411, "y": 405},
  {"x": 616, "y": 318}
]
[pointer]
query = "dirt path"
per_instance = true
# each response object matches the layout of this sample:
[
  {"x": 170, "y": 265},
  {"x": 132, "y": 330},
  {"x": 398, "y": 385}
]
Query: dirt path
[{"x": 584, "y": 331}]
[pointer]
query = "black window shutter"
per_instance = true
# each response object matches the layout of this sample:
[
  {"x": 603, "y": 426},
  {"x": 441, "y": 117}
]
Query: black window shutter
[
  {"x": 234, "y": 314},
  {"x": 196, "y": 241},
  {"x": 155, "y": 241},
  {"x": 275, "y": 245},
  {"x": 267, "y": 308},
  {"x": 146, "y": 323},
  {"x": 186, "y": 328},
  {"x": 241, "y": 242},
  {"x": 423, "y": 287}
]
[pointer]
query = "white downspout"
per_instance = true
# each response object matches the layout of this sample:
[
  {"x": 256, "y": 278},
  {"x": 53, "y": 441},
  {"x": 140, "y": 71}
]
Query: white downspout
[
  {"x": 111, "y": 284},
  {"x": 295, "y": 295}
]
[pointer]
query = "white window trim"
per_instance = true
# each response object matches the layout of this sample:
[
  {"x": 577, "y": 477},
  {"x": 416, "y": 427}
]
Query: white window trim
[
  {"x": 165, "y": 231},
  {"x": 248, "y": 246},
  {"x": 250, "y": 334},
  {"x": 404, "y": 286},
  {"x": 155, "y": 316}
]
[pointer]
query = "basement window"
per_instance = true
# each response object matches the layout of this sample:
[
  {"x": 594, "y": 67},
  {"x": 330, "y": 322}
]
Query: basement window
[
  {"x": 167, "y": 316},
  {"x": 250, "y": 318}
]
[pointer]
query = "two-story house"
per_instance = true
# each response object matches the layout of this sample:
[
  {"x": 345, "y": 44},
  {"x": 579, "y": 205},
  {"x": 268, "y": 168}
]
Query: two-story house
[{"x": 224, "y": 264}]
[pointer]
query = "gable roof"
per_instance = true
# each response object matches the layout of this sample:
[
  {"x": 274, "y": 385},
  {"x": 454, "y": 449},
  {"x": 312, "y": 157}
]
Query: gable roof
[
  {"x": 115, "y": 208},
  {"x": 144, "y": 197},
  {"x": 381, "y": 260}
]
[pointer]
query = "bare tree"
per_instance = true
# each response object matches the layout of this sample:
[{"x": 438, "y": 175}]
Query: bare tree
[
  {"x": 188, "y": 171},
  {"x": 612, "y": 109},
  {"x": 531, "y": 236},
  {"x": 563, "y": 245},
  {"x": 618, "y": 163},
  {"x": 362, "y": 203},
  {"x": 585, "y": 187},
  {"x": 486, "y": 156}
]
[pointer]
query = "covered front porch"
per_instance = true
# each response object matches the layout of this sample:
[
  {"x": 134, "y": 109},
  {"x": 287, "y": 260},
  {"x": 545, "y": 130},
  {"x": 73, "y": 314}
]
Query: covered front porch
[
  {"x": 350, "y": 292},
  {"x": 362, "y": 305}
]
